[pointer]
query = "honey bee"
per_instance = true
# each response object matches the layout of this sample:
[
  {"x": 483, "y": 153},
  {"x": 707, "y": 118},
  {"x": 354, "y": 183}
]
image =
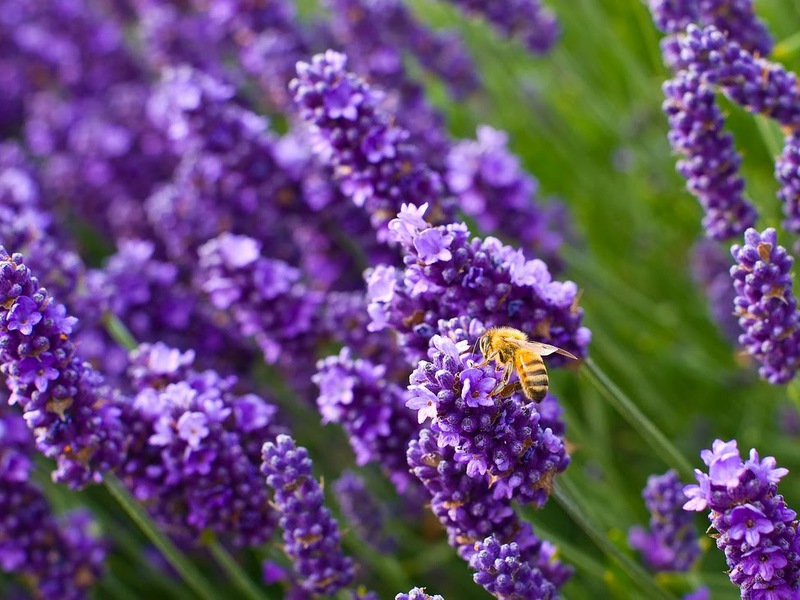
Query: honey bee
[{"x": 512, "y": 349}]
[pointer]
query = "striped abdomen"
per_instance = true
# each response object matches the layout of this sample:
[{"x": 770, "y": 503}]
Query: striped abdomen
[{"x": 532, "y": 374}]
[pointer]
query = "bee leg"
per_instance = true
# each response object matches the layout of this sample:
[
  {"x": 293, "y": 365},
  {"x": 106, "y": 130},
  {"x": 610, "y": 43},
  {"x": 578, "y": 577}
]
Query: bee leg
[
  {"x": 504, "y": 381},
  {"x": 509, "y": 389}
]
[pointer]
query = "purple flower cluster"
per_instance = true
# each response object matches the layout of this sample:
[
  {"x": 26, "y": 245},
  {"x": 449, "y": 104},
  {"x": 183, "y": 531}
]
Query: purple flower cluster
[
  {"x": 356, "y": 394},
  {"x": 375, "y": 165},
  {"x": 711, "y": 266},
  {"x": 417, "y": 594},
  {"x": 56, "y": 557},
  {"x": 467, "y": 508},
  {"x": 100, "y": 155},
  {"x": 787, "y": 172},
  {"x": 264, "y": 296},
  {"x": 526, "y": 20},
  {"x": 710, "y": 163},
  {"x": 447, "y": 275},
  {"x": 501, "y": 569},
  {"x": 502, "y": 438},
  {"x": 310, "y": 534},
  {"x": 756, "y": 530},
  {"x": 194, "y": 454},
  {"x": 492, "y": 188},
  {"x": 736, "y": 18},
  {"x": 363, "y": 511},
  {"x": 76, "y": 419},
  {"x": 766, "y": 306},
  {"x": 671, "y": 544}
]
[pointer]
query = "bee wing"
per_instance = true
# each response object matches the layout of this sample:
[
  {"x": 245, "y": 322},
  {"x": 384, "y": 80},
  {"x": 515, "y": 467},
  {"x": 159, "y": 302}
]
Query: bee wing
[{"x": 541, "y": 348}]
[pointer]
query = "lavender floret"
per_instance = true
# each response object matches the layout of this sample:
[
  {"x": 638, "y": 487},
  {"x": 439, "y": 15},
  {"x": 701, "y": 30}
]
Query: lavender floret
[
  {"x": 766, "y": 306},
  {"x": 671, "y": 542},
  {"x": 310, "y": 534},
  {"x": 756, "y": 530}
]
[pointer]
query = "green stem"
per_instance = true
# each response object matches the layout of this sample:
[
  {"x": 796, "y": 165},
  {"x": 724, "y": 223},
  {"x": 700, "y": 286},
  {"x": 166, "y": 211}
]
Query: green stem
[
  {"x": 193, "y": 578},
  {"x": 585, "y": 563},
  {"x": 647, "y": 429},
  {"x": 119, "y": 332},
  {"x": 770, "y": 134},
  {"x": 239, "y": 578},
  {"x": 567, "y": 496}
]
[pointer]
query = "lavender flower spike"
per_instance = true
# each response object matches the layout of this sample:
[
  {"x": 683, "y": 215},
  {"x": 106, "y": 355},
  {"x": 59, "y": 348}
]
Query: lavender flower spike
[
  {"x": 370, "y": 155},
  {"x": 310, "y": 534},
  {"x": 74, "y": 418},
  {"x": 766, "y": 306},
  {"x": 756, "y": 530},
  {"x": 671, "y": 544},
  {"x": 710, "y": 163}
]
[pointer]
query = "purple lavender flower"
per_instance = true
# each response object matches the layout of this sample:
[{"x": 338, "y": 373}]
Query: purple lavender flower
[
  {"x": 711, "y": 266},
  {"x": 356, "y": 394},
  {"x": 264, "y": 296},
  {"x": 756, "y": 530},
  {"x": 363, "y": 511},
  {"x": 501, "y": 569},
  {"x": 448, "y": 275},
  {"x": 194, "y": 456},
  {"x": 417, "y": 594},
  {"x": 76, "y": 419},
  {"x": 701, "y": 593},
  {"x": 526, "y": 20},
  {"x": 492, "y": 188},
  {"x": 758, "y": 85},
  {"x": 56, "y": 558},
  {"x": 766, "y": 306},
  {"x": 787, "y": 172},
  {"x": 374, "y": 164},
  {"x": 671, "y": 543},
  {"x": 311, "y": 536},
  {"x": 499, "y": 437},
  {"x": 100, "y": 155},
  {"x": 469, "y": 510},
  {"x": 734, "y": 17},
  {"x": 710, "y": 164}
]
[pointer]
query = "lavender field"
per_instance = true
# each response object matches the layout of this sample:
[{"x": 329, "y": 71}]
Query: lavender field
[{"x": 253, "y": 259}]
